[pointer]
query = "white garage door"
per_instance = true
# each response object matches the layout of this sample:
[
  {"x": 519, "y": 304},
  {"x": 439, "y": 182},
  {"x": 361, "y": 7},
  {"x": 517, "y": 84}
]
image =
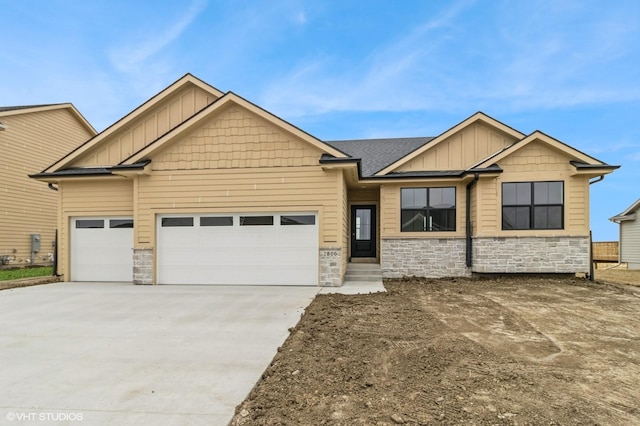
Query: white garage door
[
  {"x": 251, "y": 249},
  {"x": 102, "y": 249}
]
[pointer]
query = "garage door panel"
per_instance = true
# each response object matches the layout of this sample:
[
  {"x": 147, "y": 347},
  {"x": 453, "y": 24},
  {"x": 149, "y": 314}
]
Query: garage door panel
[
  {"x": 104, "y": 253},
  {"x": 249, "y": 254}
]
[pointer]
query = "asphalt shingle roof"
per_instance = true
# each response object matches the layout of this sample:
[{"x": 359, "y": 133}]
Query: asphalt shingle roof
[
  {"x": 13, "y": 108},
  {"x": 376, "y": 154}
]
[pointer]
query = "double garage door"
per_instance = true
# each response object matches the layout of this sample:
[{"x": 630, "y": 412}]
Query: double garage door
[
  {"x": 269, "y": 249},
  {"x": 251, "y": 249}
]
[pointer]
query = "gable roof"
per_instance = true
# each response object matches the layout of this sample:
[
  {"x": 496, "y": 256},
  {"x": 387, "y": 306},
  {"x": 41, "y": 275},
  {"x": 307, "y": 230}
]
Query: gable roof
[
  {"x": 186, "y": 79},
  {"x": 27, "y": 109},
  {"x": 211, "y": 109},
  {"x": 376, "y": 154},
  {"x": 537, "y": 135},
  {"x": 478, "y": 116},
  {"x": 628, "y": 214}
]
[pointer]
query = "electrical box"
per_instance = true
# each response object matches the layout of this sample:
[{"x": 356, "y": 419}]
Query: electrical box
[{"x": 35, "y": 243}]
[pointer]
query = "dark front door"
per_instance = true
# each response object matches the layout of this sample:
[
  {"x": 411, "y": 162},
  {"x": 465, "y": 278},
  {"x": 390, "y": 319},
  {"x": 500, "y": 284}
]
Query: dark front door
[{"x": 363, "y": 231}]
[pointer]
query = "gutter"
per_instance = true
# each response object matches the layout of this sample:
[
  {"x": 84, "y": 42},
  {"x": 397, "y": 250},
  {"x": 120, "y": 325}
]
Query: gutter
[{"x": 470, "y": 185}]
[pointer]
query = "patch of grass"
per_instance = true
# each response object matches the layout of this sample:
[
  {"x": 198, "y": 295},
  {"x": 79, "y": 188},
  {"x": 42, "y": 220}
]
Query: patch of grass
[{"x": 16, "y": 274}]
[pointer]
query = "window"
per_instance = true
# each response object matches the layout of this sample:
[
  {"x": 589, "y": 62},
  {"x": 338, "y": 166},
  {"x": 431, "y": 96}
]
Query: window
[
  {"x": 297, "y": 220},
  {"x": 428, "y": 209},
  {"x": 177, "y": 221},
  {"x": 256, "y": 220},
  {"x": 90, "y": 224},
  {"x": 533, "y": 205},
  {"x": 121, "y": 223},
  {"x": 216, "y": 221}
]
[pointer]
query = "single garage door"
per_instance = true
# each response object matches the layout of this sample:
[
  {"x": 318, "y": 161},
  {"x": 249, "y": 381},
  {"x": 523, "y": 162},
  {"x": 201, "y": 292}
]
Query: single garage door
[
  {"x": 249, "y": 249},
  {"x": 101, "y": 249}
]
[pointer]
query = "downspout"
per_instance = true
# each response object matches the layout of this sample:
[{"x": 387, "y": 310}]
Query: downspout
[
  {"x": 601, "y": 177},
  {"x": 52, "y": 187},
  {"x": 470, "y": 185}
]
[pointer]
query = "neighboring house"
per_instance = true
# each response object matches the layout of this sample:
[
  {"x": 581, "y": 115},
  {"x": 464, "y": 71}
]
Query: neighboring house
[
  {"x": 32, "y": 137},
  {"x": 629, "y": 236},
  {"x": 208, "y": 188}
]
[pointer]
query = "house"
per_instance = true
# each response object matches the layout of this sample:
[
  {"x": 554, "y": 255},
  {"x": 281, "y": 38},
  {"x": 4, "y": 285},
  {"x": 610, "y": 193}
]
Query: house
[
  {"x": 200, "y": 186},
  {"x": 31, "y": 137},
  {"x": 629, "y": 248}
]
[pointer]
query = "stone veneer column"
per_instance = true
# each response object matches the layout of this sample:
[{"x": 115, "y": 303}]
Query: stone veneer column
[
  {"x": 143, "y": 266},
  {"x": 423, "y": 257},
  {"x": 330, "y": 267},
  {"x": 531, "y": 255}
]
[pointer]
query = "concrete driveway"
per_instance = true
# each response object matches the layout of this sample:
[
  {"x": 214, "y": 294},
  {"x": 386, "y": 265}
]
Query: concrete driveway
[{"x": 109, "y": 353}]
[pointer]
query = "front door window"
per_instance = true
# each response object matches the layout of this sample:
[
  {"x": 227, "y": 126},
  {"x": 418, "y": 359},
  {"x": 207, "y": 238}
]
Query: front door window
[{"x": 363, "y": 224}]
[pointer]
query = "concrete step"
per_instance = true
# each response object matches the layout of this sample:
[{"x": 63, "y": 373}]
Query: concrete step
[
  {"x": 363, "y": 272},
  {"x": 363, "y": 278},
  {"x": 364, "y": 260},
  {"x": 363, "y": 266}
]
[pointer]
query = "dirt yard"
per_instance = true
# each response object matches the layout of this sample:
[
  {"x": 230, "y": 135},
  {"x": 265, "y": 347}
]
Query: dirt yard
[
  {"x": 527, "y": 351},
  {"x": 618, "y": 275}
]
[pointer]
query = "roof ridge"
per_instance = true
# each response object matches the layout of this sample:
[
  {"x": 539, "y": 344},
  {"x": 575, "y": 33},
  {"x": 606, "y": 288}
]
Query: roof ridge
[
  {"x": 381, "y": 139},
  {"x": 19, "y": 107}
]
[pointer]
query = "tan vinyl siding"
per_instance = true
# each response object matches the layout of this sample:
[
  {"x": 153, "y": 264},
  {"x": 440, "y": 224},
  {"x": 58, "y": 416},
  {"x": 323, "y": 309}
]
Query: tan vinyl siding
[
  {"x": 346, "y": 217},
  {"x": 461, "y": 150},
  {"x": 390, "y": 215},
  {"x": 30, "y": 143},
  {"x": 241, "y": 190},
  {"x": 488, "y": 207},
  {"x": 474, "y": 207},
  {"x": 630, "y": 243},
  {"x": 535, "y": 162},
  {"x": 236, "y": 138},
  {"x": 104, "y": 197},
  {"x": 364, "y": 196},
  {"x": 145, "y": 129}
]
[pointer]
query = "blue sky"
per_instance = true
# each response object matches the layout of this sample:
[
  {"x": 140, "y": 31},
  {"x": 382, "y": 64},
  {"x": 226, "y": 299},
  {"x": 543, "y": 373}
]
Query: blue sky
[{"x": 352, "y": 69}]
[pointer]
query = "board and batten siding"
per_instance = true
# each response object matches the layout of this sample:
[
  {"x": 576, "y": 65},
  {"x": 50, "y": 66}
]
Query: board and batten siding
[
  {"x": 148, "y": 127},
  {"x": 532, "y": 163},
  {"x": 30, "y": 143},
  {"x": 460, "y": 150},
  {"x": 98, "y": 198},
  {"x": 630, "y": 243}
]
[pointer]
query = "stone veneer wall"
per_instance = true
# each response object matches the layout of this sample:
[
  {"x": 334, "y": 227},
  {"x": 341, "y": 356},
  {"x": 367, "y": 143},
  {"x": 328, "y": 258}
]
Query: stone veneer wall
[
  {"x": 423, "y": 257},
  {"x": 330, "y": 267},
  {"x": 531, "y": 255},
  {"x": 143, "y": 266}
]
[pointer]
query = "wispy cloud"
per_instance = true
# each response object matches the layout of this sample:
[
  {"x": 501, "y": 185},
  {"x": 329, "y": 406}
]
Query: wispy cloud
[
  {"x": 132, "y": 57},
  {"x": 558, "y": 57},
  {"x": 383, "y": 77}
]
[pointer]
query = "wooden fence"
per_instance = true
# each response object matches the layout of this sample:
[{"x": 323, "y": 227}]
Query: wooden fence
[{"x": 605, "y": 251}]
